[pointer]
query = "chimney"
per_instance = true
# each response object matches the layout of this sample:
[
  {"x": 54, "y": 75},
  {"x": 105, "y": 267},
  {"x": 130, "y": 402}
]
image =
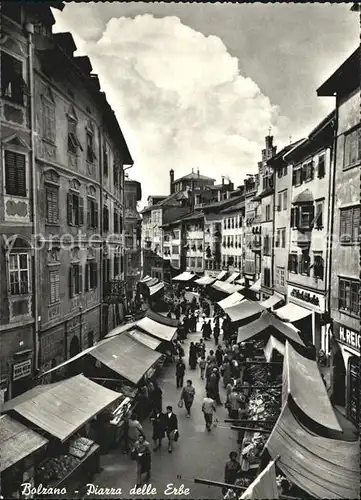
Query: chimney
[
  {"x": 198, "y": 172},
  {"x": 222, "y": 180},
  {"x": 171, "y": 178}
]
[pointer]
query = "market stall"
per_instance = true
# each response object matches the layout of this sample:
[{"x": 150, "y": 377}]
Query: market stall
[
  {"x": 205, "y": 281},
  {"x": 231, "y": 300},
  {"x": 244, "y": 312},
  {"x": 232, "y": 278},
  {"x": 272, "y": 301},
  {"x": 184, "y": 277},
  {"x": 221, "y": 276},
  {"x": 62, "y": 411},
  {"x": 20, "y": 450}
]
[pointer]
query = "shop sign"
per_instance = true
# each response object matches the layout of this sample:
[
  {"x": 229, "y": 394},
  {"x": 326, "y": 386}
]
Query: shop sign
[
  {"x": 314, "y": 301},
  {"x": 22, "y": 370},
  {"x": 347, "y": 336}
]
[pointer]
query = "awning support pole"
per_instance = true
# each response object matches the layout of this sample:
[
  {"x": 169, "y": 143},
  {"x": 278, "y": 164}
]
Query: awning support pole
[{"x": 237, "y": 428}]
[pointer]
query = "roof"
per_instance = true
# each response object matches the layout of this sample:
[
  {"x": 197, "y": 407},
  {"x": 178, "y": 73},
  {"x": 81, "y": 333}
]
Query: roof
[
  {"x": 120, "y": 329},
  {"x": 195, "y": 176},
  {"x": 225, "y": 203},
  {"x": 305, "y": 197},
  {"x": 145, "y": 339},
  {"x": 323, "y": 467},
  {"x": 300, "y": 374},
  {"x": 185, "y": 276},
  {"x": 238, "y": 206},
  {"x": 63, "y": 408},
  {"x": 268, "y": 322},
  {"x": 193, "y": 216},
  {"x": 163, "y": 320},
  {"x": 284, "y": 151},
  {"x": 348, "y": 72},
  {"x": 158, "y": 330},
  {"x": 243, "y": 311},
  {"x": 17, "y": 441},
  {"x": 126, "y": 356},
  {"x": 231, "y": 300},
  {"x": 205, "y": 280},
  {"x": 228, "y": 288}
]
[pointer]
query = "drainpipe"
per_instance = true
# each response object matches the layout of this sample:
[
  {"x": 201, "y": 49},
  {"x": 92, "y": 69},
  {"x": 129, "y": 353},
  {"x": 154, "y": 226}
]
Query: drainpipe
[
  {"x": 30, "y": 31},
  {"x": 125, "y": 253},
  {"x": 272, "y": 272},
  {"x": 330, "y": 222},
  {"x": 101, "y": 200}
]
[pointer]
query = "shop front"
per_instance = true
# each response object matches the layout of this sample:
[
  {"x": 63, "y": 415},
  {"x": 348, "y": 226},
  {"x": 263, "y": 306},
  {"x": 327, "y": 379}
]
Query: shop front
[
  {"x": 21, "y": 369},
  {"x": 346, "y": 370}
]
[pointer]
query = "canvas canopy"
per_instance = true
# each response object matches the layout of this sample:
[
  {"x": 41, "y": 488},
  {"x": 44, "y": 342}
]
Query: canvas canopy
[
  {"x": 226, "y": 288},
  {"x": 273, "y": 345},
  {"x": 152, "y": 282},
  {"x": 163, "y": 320},
  {"x": 323, "y": 467},
  {"x": 292, "y": 312},
  {"x": 221, "y": 275},
  {"x": 264, "y": 486},
  {"x": 243, "y": 310},
  {"x": 232, "y": 278},
  {"x": 145, "y": 339},
  {"x": 145, "y": 279},
  {"x": 271, "y": 302},
  {"x": 231, "y": 300},
  {"x": 268, "y": 321},
  {"x": 156, "y": 288},
  {"x": 63, "y": 408},
  {"x": 186, "y": 276},
  {"x": 303, "y": 382},
  {"x": 205, "y": 280},
  {"x": 256, "y": 287},
  {"x": 158, "y": 330}
]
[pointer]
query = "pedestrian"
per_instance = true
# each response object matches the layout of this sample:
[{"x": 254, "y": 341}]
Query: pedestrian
[
  {"x": 209, "y": 330},
  {"x": 177, "y": 312},
  {"x": 208, "y": 409},
  {"x": 216, "y": 333},
  {"x": 157, "y": 396},
  {"x": 219, "y": 356},
  {"x": 234, "y": 404},
  {"x": 180, "y": 369},
  {"x": 212, "y": 386},
  {"x": 192, "y": 356},
  {"x": 187, "y": 396},
  {"x": 202, "y": 347},
  {"x": 158, "y": 422},
  {"x": 141, "y": 452},
  {"x": 202, "y": 365},
  {"x": 232, "y": 469},
  {"x": 135, "y": 430},
  {"x": 171, "y": 427},
  {"x": 226, "y": 371},
  {"x": 211, "y": 358}
]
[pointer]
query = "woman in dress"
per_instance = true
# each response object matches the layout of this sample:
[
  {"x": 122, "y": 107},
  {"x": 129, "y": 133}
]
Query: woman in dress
[
  {"x": 142, "y": 455},
  {"x": 158, "y": 422}
]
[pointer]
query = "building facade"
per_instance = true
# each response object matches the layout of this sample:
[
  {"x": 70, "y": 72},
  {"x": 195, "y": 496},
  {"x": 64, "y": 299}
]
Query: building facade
[
  {"x": 252, "y": 232},
  {"x": 63, "y": 184},
  {"x": 132, "y": 229},
  {"x": 344, "y": 298},
  {"x": 232, "y": 236}
]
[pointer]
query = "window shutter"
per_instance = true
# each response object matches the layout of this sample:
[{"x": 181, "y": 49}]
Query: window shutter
[
  {"x": 15, "y": 175},
  {"x": 293, "y": 218},
  {"x": 321, "y": 167},
  {"x": 70, "y": 282},
  {"x": 80, "y": 279},
  {"x": 312, "y": 169},
  {"x": 356, "y": 225},
  {"x": 86, "y": 285},
  {"x": 312, "y": 215},
  {"x": 70, "y": 208},
  {"x": 89, "y": 213},
  {"x": 297, "y": 217},
  {"x": 81, "y": 211},
  {"x": 96, "y": 215},
  {"x": 300, "y": 264}
]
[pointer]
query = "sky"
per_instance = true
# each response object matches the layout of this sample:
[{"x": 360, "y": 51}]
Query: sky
[{"x": 199, "y": 85}]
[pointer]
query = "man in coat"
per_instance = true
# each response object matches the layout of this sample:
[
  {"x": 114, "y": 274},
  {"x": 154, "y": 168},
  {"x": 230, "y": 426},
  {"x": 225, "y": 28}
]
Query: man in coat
[
  {"x": 171, "y": 425},
  {"x": 180, "y": 368}
]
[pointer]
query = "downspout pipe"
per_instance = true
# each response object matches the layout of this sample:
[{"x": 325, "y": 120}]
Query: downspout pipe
[
  {"x": 124, "y": 250},
  {"x": 30, "y": 31},
  {"x": 332, "y": 189},
  {"x": 101, "y": 215}
]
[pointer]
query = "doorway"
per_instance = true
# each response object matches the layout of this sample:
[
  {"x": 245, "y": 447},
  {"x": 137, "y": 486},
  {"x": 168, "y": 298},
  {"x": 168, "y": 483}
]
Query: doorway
[{"x": 339, "y": 379}]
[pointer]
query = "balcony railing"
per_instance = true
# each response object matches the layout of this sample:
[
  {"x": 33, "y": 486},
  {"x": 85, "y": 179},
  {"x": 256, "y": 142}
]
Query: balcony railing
[{"x": 114, "y": 291}]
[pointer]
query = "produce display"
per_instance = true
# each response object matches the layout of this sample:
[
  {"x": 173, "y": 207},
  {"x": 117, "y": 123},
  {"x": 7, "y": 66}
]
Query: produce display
[
  {"x": 55, "y": 469},
  {"x": 80, "y": 447}
]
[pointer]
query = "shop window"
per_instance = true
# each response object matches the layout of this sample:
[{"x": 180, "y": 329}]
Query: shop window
[
  {"x": 52, "y": 204},
  {"x": 91, "y": 276},
  {"x": 321, "y": 166},
  {"x": 293, "y": 263},
  {"x": 352, "y": 148},
  {"x": 105, "y": 219},
  {"x": 348, "y": 296},
  {"x": 350, "y": 225},
  {"x": 15, "y": 173},
  {"x": 75, "y": 209},
  {"x": 319, "y": 215},
  {"x": 19, "y": 273},
  {"x": 75, "y": 280},
  {"x": 318, "y": 267},
  {"x": 13, "y": 86},
  {"x": 54, "y": 280}
]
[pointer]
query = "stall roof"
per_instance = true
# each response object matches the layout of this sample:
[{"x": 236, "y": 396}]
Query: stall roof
[
  {"x": 163, "y": 320},
  {"x": 292, "y": 313},
  {"x": 145, "y": 339},
  {"x": 65, "y": 407},
  {"x": 151, "y": 282},
  {"x": 120, "y": 329},
  {"x": 145, "y": 279},
  {"x": 271, "y": 302},
  {"x": 186, "y": 276},
  {"x": 205, "y": 280},
  {"x": 323, "y": 467},
  {"x": 221, "y": 275},
  {"x": 156, "y": 288},
  {"x": 273, "y": 345},
  {"x": 264, "y": 486},
  {"x": 256, "y": 287},
  {"x": 231, "y": 300},
  {"x": 228, "y": 288},
  {"x": 158, "y": 330},
  {"x": 126, "y": 356},
  {"x": 232, "y": 278},
  {"x": 268, "y": 320},
  {"x": 243, "y": 310},
  {"x": 17, "y": 441},
  {"x": 303, "y": 382}
]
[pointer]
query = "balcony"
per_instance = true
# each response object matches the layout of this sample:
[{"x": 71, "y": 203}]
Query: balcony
[
  {"x": 114, "y": 291},
  {"x": 256, "y": 245}
]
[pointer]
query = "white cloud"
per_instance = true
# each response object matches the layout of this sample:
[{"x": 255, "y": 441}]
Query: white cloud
[{"x": 180, "y": 100}]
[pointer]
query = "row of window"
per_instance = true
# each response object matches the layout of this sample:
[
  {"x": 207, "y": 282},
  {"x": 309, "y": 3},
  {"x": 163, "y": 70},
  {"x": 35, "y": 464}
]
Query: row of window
[
  {"x": 232, "y": 260},
  {"x": 75, "y": 278},
  {"x": 233, "y": 222},
  {"x": 232, "y": 241},
  {"x": 306, "y": 171},
  {"x": 75, "y": 214},
  {"x": 195, "y": 262},
  {"x": 301, "y": 264}
]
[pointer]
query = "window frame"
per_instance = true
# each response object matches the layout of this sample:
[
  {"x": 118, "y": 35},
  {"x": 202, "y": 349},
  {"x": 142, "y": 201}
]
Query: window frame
[
  {"x": 21, "y": 101},
  {"x": 54, "y": 300},
  {"x": 14, "y": 151},
  {"x": 50, "y": 187},
  {"x": 352, "y": 294},
  {"x": 18, "y": 270},
  {"x": 351, "y": 241},
  {"x": 357, "y": 131},
  {"x": 48, "y": 134}
]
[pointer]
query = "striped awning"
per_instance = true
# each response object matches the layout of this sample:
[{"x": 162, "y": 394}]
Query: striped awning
[{"x": 156, "y": 288}]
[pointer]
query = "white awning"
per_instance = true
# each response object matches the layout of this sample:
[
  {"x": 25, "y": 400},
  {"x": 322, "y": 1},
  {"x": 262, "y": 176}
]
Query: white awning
[
  {"x": 271, "y": 301},
  {"x": 205, "y": 280},
  {"x": 241, "y": 281},
  {"x": 273, "y": 345},
  {"x": 145, "y": 279},
  {"x": 186, "y": 276},
  {"x": 231, "y": 300},
  {"x": 292, "y": 313},
  {"x": 256, "y": 287},
  {"x": 232, "y": 277},
  {"x": 228, "y": 288},
  {"x": 145, "y": 339},
  {"x": 158, "y": 330},
  {"x": 156, "y": 288},
  {"x": 221, "y": 275}
]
